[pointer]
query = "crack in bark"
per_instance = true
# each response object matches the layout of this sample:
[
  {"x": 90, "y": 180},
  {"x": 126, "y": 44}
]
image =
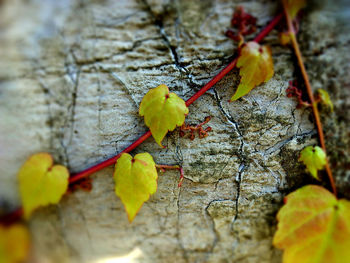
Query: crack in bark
[
  {"x": 125, "y": 87},
  {"x": 71, "y": 120},
  {"x": 241, "y": 155},
  {"x": 241, "y": 169},
  {"x": 174, "y": 54},
  {"x": 228, "y": 117},
  {"x": 46, "y": 92},
  {"x": 182, "y": 247},
  {"x": 282, "y": 143}
]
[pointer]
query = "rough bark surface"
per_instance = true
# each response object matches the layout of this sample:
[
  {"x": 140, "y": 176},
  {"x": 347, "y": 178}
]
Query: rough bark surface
[{"x": 72, "y": 74}]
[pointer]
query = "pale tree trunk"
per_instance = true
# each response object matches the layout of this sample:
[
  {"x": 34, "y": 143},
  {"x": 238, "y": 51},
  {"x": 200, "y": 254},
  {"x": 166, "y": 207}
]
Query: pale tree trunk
[{"x": 72, "y": 74}]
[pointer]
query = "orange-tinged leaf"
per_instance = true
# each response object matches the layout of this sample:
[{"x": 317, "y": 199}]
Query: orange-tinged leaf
[
  {"x": 314, "y": 159},
  {"x": 14, "y": 243},
  {"x": 41, "y": 183},
  {"x": 294, "y": 6},
  {"x": 135, "y": 181},
  {"x": 256, "y": 66},
  {"x": 314, "y": 227},
  {"x": 162, "y": 111}
]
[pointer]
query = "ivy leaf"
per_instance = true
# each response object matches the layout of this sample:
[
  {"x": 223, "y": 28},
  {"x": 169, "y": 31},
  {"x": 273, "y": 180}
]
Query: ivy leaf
[
  {"x": 256, "y": 66},
  {"x": 314, "y": 158},
  {"x": 14, "y": 243},
  {"x": 294, "y": 6},
  {"x": 325, "y": 99},
  {"x": 135, "y": 181},
  {"x": 162, "y": 111},
  {"x": 314, "y": 227},
  {"x": 41, "y": 183}
]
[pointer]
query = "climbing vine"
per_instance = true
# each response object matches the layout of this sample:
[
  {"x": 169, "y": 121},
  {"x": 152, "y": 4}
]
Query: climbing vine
[{"x": 313, "y": 225}]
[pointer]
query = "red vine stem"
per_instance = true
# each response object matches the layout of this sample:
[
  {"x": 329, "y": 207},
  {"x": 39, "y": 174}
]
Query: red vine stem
[
  {"x": 75, "y": 177},
  {"x": 163, "y": 167},
  {"x": 309, "y": 91}
]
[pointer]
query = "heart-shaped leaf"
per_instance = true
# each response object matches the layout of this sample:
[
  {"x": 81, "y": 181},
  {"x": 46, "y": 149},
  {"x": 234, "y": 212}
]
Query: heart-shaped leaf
[
  {"x": 162, "y": 111},
  {"x": 256, "y": 66},
  {"x": 314, "y": 158},
  {"x": 135, "y": 181},
  {"x": 314, "y": 227},
  {"x": 41, "y": 183},
  {"x": 14, "y": 243}
]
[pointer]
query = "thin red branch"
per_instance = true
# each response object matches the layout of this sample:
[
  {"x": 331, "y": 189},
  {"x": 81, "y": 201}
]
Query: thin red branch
[
  {"x": 163, "y": 167},
  {"x": 181, "y": 177},
  {"x": 268, "y": 28},
  {"x": 309, "y": 91},
  {"x": 75, "y": 177}
]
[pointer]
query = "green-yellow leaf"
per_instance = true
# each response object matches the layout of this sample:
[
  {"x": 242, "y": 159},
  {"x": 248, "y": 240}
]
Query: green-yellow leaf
[
  {"x": 325, "y": 99},
  {"x": 314, "y": 227},
  {"x": 162, "y": 111},
  {"x": 135, "y": 181},
  {"x": 256, "y": 66},
  {"x": 294, "y": 6},
  {"x": 14, "y": 243},
  {"x": 41, "y": 183},
  {"x": 314, "y": 158}
]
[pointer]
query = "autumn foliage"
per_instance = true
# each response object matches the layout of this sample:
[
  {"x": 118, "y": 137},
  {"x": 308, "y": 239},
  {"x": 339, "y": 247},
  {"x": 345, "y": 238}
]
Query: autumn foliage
[
  {"x": 41, "y": 183},
  {"x": 256, "y": 66},
  {"x": 162, "y": 111},
  {"x": 314, "y": 226}
]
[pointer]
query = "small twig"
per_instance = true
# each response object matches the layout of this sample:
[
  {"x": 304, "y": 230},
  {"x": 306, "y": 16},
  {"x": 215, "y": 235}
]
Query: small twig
[
  {"x": 309, "y": 91},
  {"x": 202, "y": 133},
  {"x": 244, "y": 24},
  {"x": 163, "y": 167},
  {"x": 294, "y": 91}
]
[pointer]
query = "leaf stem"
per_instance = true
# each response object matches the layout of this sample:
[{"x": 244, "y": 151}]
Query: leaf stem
[
  {"x": 17, "y": 214},
  {"x": 163, "y": 167},
  {"x": 309, "y": 91},
  {"x": 169, "y": 167}
]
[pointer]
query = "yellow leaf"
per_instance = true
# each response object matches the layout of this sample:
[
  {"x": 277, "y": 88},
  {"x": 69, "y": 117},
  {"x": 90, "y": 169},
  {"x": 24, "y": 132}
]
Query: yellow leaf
[
  {"x": 162, "y": 111},
  {"x": 135, "y": 181},
  {"x": 41, "y": 183},
  {"x": 14, "y": 243},
  {"x": 314, "y": 158},
  {"x": 294, "y": 6},
  {"x": 325, "y": 99},
  {"x": 314, "y": 227},
  {"x": 256, "y": 66}
]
